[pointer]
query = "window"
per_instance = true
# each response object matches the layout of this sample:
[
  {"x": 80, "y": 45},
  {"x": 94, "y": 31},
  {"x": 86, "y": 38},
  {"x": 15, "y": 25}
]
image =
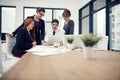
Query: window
[
  {"x": 85, "y": 25},
  {"x": 99, "y": 22},
  {"x": 98, "y": 4},
  {"x": 8, "y": 14},
  {"x": 95, "y": 12},
  {"x": 58, "y": 15},
  {"x": 29, "y": 12},
  {"x": 8, "y": 19},
  {"x": 85, "y": 11},
  {"x": 84, "y": 19},
  {"x": 47, "y": 18}
]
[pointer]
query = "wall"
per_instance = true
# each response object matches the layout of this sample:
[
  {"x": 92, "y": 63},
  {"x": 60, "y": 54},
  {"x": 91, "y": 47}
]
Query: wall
[{"x": 74, "y": 6}]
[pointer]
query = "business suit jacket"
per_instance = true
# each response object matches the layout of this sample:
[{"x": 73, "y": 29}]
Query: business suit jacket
[
  {"x": 23, "y": 42},
  {"x": 39, "y": 30}
]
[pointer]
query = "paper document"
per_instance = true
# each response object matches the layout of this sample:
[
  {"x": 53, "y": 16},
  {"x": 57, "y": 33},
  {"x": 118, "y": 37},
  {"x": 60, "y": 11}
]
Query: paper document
[{"x": 46, "y": 50}]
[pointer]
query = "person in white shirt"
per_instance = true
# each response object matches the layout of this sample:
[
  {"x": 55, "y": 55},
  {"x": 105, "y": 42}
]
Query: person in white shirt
[{"x": 54, "y": 36}]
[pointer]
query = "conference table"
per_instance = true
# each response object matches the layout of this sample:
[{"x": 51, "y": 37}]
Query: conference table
[{"x": 70, "y": 65}]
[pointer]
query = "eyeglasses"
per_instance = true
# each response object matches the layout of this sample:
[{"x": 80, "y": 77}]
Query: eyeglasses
[{"x": 41, "y": 14}]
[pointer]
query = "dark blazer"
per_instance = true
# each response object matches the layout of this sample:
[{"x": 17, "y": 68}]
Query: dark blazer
[
  {"x": 69, "y": 27},
  {"x": 39, "y": 30},
  {"x": 23, "y": 42}
]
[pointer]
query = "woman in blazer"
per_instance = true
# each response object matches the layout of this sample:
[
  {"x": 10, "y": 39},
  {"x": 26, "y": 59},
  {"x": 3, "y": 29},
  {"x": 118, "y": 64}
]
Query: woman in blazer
[
  {"x": 69, "y": 24},
  {"x": 25, "y": 38}
]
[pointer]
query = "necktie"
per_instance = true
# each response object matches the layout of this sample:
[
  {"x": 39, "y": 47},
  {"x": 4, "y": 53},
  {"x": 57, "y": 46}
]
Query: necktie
[{"x": 53, "y": 32}]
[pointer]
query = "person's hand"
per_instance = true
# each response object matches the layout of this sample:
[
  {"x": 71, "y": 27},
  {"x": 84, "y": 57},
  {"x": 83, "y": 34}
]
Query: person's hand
[
  {"x": 42, "y": 42},
  {"x": 34, "y": 43},
  {"x": 10, "y": 35}
]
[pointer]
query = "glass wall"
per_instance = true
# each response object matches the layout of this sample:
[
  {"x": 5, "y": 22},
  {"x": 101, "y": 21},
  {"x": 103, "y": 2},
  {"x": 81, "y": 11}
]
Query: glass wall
[
  {"x": 104, "y": 20},
  {"x": 97, "y": 19},
  {"x": 115, "y": 27},
  {"x": 99, "y": 22}
]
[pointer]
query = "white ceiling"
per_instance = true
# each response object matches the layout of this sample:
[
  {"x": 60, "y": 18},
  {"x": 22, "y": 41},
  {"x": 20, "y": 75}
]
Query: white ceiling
[
  {"x": 59, "y": 1},
  {"x": 73, "y": 3}
]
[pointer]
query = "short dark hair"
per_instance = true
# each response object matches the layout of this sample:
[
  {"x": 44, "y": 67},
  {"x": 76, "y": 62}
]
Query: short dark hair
[
  {"x": 66, "y": 13},
  {"x": 55, "y": 20},
  {"x": 39, "y": 9}
]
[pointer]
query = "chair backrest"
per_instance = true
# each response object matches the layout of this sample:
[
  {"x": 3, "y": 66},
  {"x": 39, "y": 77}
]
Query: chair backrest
[
  {"x": 10, "y": 42},
  {"x": 78, "y": 42},
  {"x": 103, "y": 43}
]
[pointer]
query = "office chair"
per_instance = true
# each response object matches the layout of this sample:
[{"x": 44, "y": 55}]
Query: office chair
[
  {"x": 10, "y": 42},
  {"x": 78, "y": 42},
  {"x": 102, "y": 44}
]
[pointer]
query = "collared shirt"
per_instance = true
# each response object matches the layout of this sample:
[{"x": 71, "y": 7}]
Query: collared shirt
[{"x": 54, "y": 36}]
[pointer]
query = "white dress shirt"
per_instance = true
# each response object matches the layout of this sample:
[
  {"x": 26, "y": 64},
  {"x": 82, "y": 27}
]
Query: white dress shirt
[{"x": 57, "y": 37}]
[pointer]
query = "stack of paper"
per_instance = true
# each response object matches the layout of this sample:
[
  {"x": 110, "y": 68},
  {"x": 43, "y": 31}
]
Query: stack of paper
[{"x": 46, "y": 50}]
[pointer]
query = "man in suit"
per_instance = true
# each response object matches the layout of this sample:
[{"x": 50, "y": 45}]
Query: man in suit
[{"x": 39, "y": 26}]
